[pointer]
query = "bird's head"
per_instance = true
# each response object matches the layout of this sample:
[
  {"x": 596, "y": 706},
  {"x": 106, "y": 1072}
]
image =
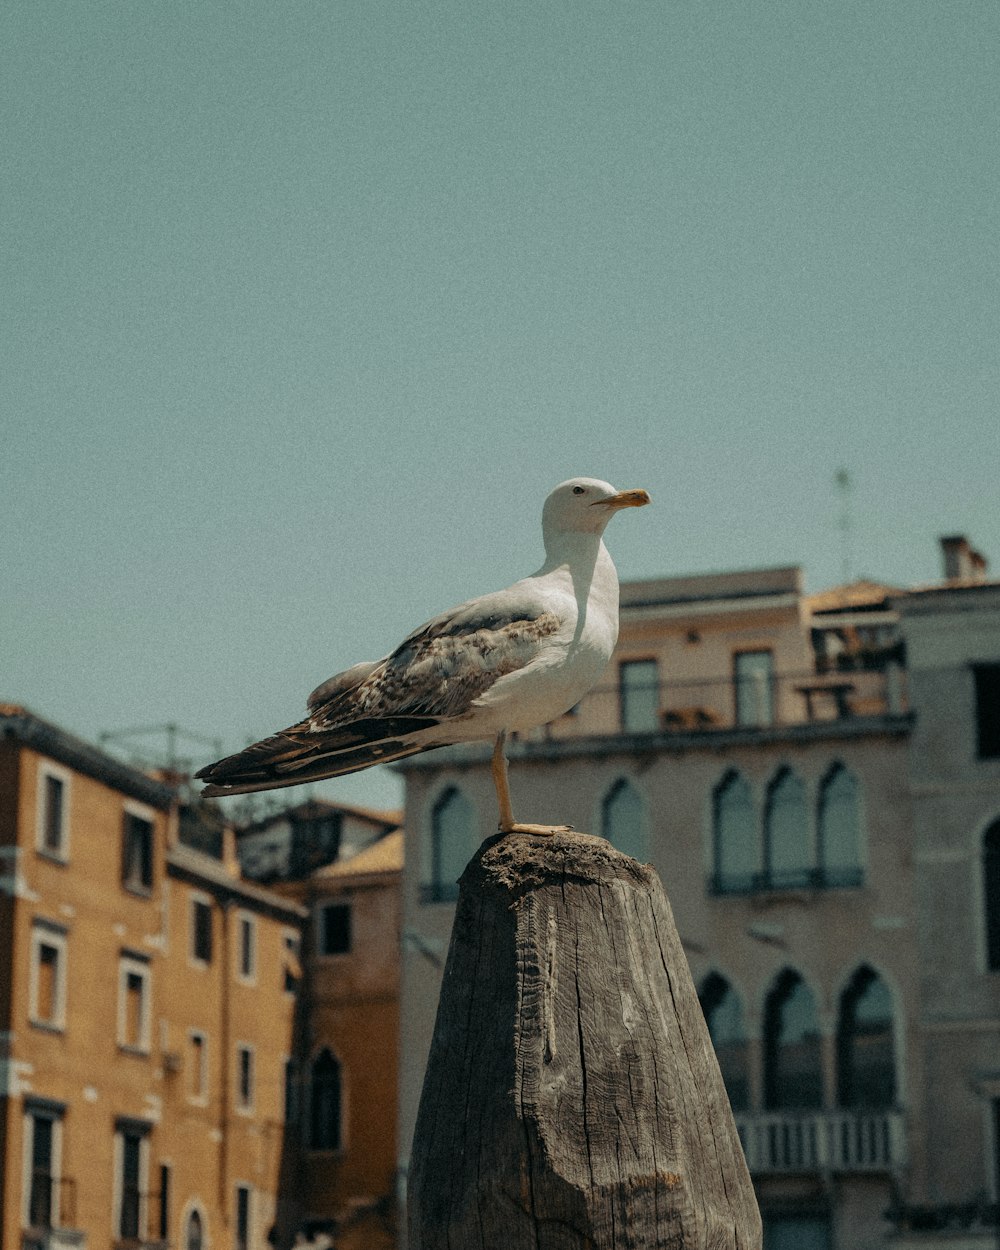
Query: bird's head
[{"x": 584, "y": 505}]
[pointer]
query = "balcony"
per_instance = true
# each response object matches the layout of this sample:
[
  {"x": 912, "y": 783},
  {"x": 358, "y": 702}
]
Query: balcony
[
  {"x": 754, "y": 704},
  {"x": 822, "y": 1141}
]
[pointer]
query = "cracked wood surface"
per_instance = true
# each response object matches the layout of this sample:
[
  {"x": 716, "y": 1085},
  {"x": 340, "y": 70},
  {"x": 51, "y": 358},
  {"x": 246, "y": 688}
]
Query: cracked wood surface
[{"x": 572, "y": 1098}]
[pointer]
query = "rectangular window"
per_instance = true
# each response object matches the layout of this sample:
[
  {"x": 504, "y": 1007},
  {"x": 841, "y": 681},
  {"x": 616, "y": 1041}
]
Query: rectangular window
[
  {"x": 292, "y": 972},
  {"x": 42, "y": 1141},
  {"x": 163, "y": 1223},
  {"x": 133, "y": 1004},
  {"x": 244, "y": 1078},
  {"x": 201, "y": 931},
  {"x": 291, "y": 1092},
  {"x": 987, "y": 681},
  {"x": 47, "y": 990},
  {"x": 247, "y": 931},
  {"x": 242, "y": 1241},
  {"x": 335, "y": 929},
  {"x": 131, "y": 1168},
  {"x": 53, "y": 833},
  {"x": 198, "y": 1066},
  {"x": 639, "y": 694},
  {"x": 137, "y": 853},
  {"x": 753, "y": 673}
]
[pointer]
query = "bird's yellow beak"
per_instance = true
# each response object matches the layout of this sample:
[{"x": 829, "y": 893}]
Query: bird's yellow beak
[{"x": 624, "y": 499}]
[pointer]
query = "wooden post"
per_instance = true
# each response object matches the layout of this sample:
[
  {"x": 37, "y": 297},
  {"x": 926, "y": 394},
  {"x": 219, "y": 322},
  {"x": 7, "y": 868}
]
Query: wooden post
[{"x": 572, "y": 1097}]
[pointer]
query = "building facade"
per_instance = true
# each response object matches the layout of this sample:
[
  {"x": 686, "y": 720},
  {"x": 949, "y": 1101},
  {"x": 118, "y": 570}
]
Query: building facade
[
  {"x": 142, "y": 1089},
  {"x": 761, "y": 748}
]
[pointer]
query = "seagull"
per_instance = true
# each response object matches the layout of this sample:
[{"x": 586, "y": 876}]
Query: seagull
[{"x": 500, "y": 664}]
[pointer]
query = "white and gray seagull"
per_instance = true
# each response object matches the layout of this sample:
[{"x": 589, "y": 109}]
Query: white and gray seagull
[{"x": 503, "y": 663}]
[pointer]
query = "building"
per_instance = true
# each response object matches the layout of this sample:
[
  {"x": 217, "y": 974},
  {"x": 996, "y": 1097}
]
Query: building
[
  {"x": 766, "y": 751},
  {"x": 142, "y": 1088},
  {"x": 343, "y": 1144}
]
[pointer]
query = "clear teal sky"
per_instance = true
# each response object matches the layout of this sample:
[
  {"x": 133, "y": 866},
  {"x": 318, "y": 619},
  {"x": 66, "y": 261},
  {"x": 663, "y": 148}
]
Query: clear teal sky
[{"x": 307, "y": 305}]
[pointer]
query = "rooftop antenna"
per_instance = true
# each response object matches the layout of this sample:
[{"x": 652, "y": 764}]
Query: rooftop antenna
[
  {"x": 170, "y": 735},
  {"x": 845, "y": 522}
]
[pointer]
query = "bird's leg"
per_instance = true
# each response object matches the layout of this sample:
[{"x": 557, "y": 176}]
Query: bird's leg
[{"x": 507, "y": 822}]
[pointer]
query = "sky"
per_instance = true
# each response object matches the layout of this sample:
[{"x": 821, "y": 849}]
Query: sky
[{"x": 308, "y": 305}]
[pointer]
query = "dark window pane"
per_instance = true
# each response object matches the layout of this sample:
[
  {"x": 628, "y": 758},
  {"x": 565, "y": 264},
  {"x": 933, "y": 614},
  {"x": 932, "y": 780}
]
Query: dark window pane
[
  {"x": 52, "y": 838},
  {"x": 754, "y": 677},
  {"x": 737, "y": 858},
  {"x": 242, "y": 1217},
  {"x": 724, "y": 1017},
  {"x": 623, "y": 820},
  {"x": 839, "y": 829},
  {"x": 40, "y": 1198},
  {"x": 335, "y": 929},
  {"x": 787, "y": 861},
  {"x": 454, "y": 837},
  {"x": 987, "y": 680},
  {"x": 324, "y": 1108},
  {"x": 866, "y": 1057},
  {"x": 202, "y": 931},
  {"x": 991, "y": 891},
  {"x": 793, "y": 1076},
  {"x": 640, "y": 696},
  {"x": 130, "y": 1198},
  {"x": 137, "y": 870}
]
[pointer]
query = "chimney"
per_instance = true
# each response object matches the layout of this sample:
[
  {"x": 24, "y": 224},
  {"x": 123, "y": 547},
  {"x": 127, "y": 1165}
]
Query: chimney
[{"x": 961, "y": 561}]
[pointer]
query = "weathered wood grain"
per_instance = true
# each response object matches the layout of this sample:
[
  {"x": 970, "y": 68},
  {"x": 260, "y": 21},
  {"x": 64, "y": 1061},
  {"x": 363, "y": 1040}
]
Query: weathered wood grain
[{"x": 572, "y": 1098}]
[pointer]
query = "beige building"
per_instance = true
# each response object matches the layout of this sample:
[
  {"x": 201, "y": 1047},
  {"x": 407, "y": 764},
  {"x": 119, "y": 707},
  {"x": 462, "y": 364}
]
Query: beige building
[
  {"x": 142, "y": 1088},
  {"x": 757, "y": 745}
]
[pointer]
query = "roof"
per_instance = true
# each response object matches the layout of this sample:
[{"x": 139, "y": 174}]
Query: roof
[
  {"x": 207, "y": 871},
  {"x": 859, "y": 594},
  {"x": 40, "y": 735},
  {"x": 313, "y": 808},
  {"x": 749, "y": 584},
  {"x": 384, "y": 856}
]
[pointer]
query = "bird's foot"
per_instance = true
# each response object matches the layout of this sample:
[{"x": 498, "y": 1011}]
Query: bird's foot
[{"x": 540, "y": 831}]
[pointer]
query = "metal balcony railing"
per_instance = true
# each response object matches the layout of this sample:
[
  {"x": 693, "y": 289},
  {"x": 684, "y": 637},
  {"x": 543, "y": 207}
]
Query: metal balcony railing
[
  {"x": 822, "y": 1141},
  {"x": 757, "y": 702}
]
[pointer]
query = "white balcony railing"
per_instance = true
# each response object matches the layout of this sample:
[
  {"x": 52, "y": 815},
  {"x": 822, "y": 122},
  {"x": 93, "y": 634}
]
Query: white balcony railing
[{"x": 823, "y": 1141}]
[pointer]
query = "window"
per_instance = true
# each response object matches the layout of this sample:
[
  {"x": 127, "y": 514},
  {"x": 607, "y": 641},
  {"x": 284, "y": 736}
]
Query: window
[
  {"x": 292, "y": 970},
  {"x": 987, "y": 682},
  {"x": 197, "y": 1066},
  {"x": 244, "y": 1078},
  {"x": 623, "y": 819},
  {"x": 734, "y": 829},
  {"x": 839, "y": 827},
  {"x": 131, "y": 1168},
  {"x": 53, "y": 823},
  {"x": 246, "y": 929},
  {"x": 793, "y": 1074},
  {"x": 194, "y": 1231},
  {"x": 42, "y": 1142},
  {"x": 787, "y": 858},
  {"x": 47, "y": 991},
  {"x": 325, "y": 1103},
  {"x": 134, "y": 1008},
  {"x": 201, "y": 930},
  {"x": 797, "y": 1231},
  {"x": 639, "y": 696},
  {"x": 242, "y": 1241},
  {"x": 335, "y": 929},
  {"x": 724, "y": 1017},
  {"x": 991, "y": 895},
  {"x": 163, "y": 1227},
  {"x": 866, "y": 1055},
  {"x": 754, "y": 680},
  {"x": 454, "y": 837},
  {"x": 137, "y": 853}
]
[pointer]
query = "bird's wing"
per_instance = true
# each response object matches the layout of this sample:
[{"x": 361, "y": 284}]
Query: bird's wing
[{"x": 373, "y": 713}]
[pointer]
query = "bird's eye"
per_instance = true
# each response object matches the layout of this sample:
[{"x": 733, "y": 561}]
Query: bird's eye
[{"x": 579, "y": 490}]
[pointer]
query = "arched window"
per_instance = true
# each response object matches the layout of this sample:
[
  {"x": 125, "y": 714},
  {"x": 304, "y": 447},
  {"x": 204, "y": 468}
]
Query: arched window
[
  {"x": 991, "y": 895},
  {"x": 793, "y": 1071},
  {"x": 734, "y": 835},
  {"x": 193, "y": 1232},
  {"x": 724, "y": 1017},
  {"x": 454, "y": 837},
  {"x": 623, "y": 819},
  {"x": 839, "y": 826},
  {"x": 866, "y": 1054},
  {"x": 787, "y": 861},
  {"x": 325, "y": 1103}
]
